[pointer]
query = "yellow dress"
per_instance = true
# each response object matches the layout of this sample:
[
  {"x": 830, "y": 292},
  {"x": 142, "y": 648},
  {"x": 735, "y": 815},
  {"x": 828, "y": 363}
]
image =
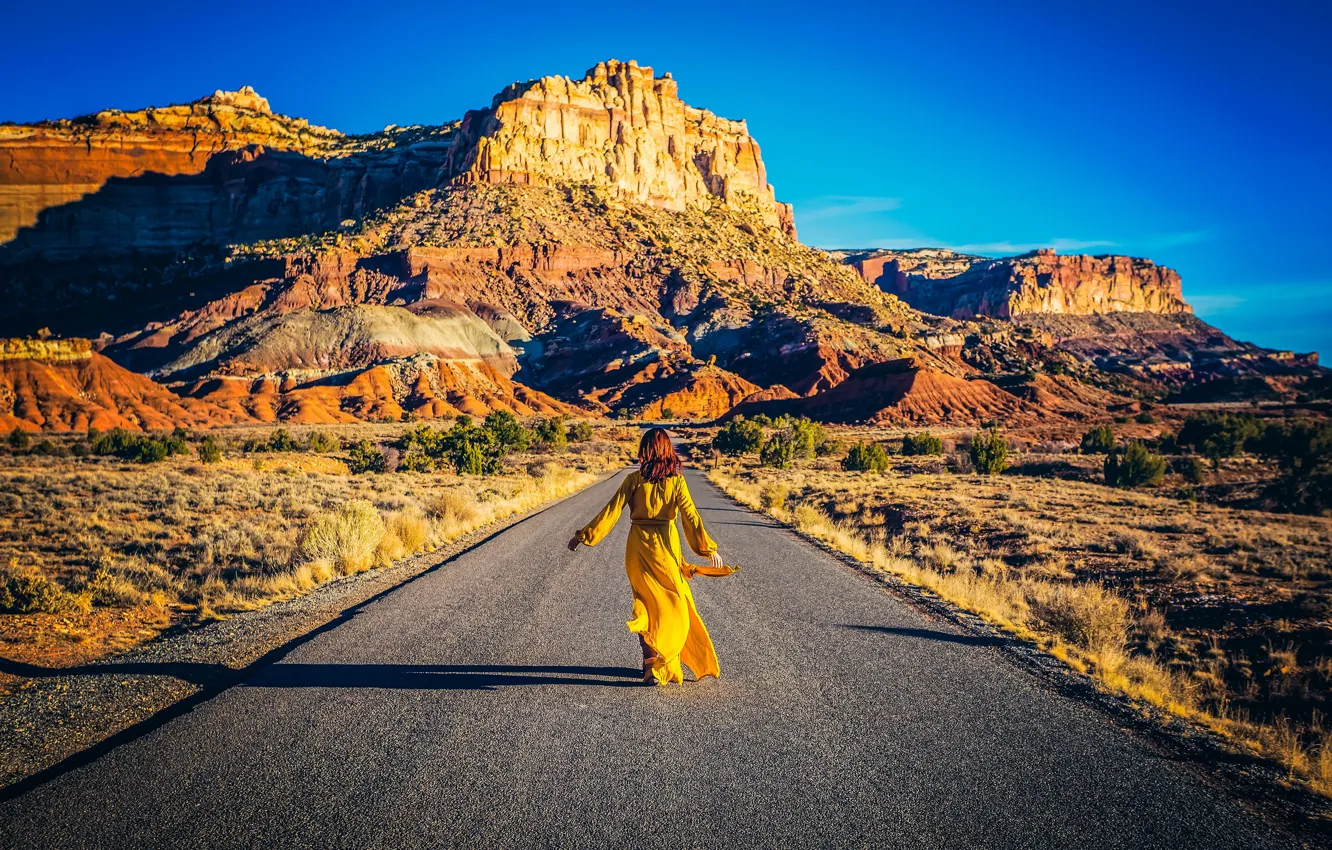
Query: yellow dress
[{"x": 664, "y": 613}]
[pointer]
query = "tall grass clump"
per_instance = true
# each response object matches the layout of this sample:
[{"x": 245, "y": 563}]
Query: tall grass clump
[{"x": 348, "y": 537}]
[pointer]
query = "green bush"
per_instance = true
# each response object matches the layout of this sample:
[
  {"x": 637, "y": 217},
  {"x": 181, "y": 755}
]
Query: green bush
[
  {"x": 923, "y": 443},
  {"x": 139, "y": 448},
  {"x": 19, "y": 440},
  {"x": 469, "y": 459},
  {"x": 988, "y": 452},
  {"x": 117, "y": 441},
  {"x": 865, "y": 457},
  {"x": 1303, "y": 453},
  {"x": 321, "y": 442},
  {"x": 365, "y": 456},
  {"x": 778, "y": 451},
  {"x": 580, "y": 432},
  {"x": 425, "y": 440},
  {"x": 551, "y": 434},
  {"x": 740, "y": 436},
  {"x": 806, "y": 435},
  {"x": 507, "y": 432},
  {"x": 1137, "y": 466},
  {"x": 1218, "y": 435},
  {"x": 414, "y": 459},
  {"x": 1098, "y": 441},
  {"x": 1189, "y": 468},
  {"x": 281, "y": 441},
  {"x": 209, "y": 450},
  {"x": 830, "y": 448}
]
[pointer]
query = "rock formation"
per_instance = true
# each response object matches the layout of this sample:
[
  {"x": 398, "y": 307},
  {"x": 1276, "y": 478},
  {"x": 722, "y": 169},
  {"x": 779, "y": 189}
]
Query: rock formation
[
  {"x": 63, "y": 385},
  {"x": 964, "y": 287},
  {"x": 618, "y": 127},
  {"x": 906, "y": 392}
]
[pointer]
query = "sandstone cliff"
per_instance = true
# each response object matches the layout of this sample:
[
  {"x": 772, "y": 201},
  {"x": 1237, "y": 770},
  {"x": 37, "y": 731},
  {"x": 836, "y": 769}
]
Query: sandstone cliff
[
  {"x": 617, "y": 127},
  {"x": 964, "y": 286}
]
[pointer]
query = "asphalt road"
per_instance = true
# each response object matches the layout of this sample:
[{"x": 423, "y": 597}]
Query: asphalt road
[{"x": 496, "y": 702}]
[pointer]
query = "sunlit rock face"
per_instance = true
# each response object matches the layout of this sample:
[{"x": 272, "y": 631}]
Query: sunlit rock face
[
  {"x": 964, "y": 286},
  {"x": 617, "y": 127}
]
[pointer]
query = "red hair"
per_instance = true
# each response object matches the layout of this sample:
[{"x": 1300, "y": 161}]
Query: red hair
[{"x": 656, "y": 456}]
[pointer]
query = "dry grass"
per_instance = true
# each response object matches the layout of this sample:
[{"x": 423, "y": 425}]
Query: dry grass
[
  {"x": 1215, "y": 614},
  {"x": 115, "y": 551}
]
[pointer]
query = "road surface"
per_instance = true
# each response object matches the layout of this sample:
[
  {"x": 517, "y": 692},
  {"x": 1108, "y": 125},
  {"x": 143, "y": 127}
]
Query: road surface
[{"x": 496, "y": 702}]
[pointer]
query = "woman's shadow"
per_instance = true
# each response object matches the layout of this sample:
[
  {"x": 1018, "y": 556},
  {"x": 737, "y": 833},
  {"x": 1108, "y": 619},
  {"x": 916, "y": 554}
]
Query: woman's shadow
[{"x": 448, "y": 677}]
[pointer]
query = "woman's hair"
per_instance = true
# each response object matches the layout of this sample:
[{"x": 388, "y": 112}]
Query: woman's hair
[{"x": 656, "y": 456}]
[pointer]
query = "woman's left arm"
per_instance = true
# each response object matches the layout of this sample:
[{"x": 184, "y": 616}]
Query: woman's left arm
[{"x": 695, "y": 535}]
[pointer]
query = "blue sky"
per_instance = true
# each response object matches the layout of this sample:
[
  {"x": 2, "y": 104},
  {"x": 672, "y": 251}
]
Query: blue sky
[{"x": 1193, "y": 133}]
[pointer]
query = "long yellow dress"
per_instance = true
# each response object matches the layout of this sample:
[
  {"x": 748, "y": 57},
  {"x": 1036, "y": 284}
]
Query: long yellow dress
[{"x": 664, "y": 612}]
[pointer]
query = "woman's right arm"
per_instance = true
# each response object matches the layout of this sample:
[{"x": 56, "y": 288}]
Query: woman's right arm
[{"x": 596, "y": 530}]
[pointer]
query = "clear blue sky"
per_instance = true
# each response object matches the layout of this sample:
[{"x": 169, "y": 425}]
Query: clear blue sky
[{"x": 1195, "y": 133}]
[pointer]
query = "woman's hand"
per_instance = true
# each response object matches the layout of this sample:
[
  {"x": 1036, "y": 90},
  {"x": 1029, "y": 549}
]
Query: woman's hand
[
  {"x": 717, "y": 560},
  {"x": 574, "y": 541}
]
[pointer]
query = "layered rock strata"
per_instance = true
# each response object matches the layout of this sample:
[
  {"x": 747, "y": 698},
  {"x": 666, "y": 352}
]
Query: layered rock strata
[
  {"x": 620, "y": 127},
  {"x": 963, "y": 287}
]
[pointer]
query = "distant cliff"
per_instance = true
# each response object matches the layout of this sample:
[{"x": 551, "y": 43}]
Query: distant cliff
[{"x": 964, "y": 286}]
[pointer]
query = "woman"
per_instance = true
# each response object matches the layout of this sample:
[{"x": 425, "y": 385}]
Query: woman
[{"x": 665, "y": 620}]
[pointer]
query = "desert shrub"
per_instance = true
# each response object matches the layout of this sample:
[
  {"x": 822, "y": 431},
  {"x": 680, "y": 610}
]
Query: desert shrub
[
  {"x": 28, "y": 591},
  {"x": 508, "y": 433},
  {"x": 1189, "y": 468},
  {"x": 923, "y": 443},
  {"x": 988, "y": 452},
  {"x": 209, "y": 450},
  {"x": 551, "y": 434},
  {"x": 1145, "y": 418},
  {"x": 1303, "y": 453},
  {"x": 365, "y": 456},
  {"x": 1136, "y": 466},
  {"x": 1099, "y": 440},
  {"x": 281, "y": 441},
  {"x": 117, "y": 441},
  {"x": 580, "y": 432},
  {"x": 778, "y": 452},
  {"x": 830, "y": 448},
  {"x": 865, "y": 457},
  {"x": 740, "y": 436},
  {"x": 773, "y": 496},
  {"x": 469, "y": 460},
  {"x": 1217, "y": 435},
  {"x": 406, "y": 533},
  {"x": 1086, "y": 615},
  {"x": 429, "y": 441},
  {"x": 348, "y": 538},
  {"x": 805, "y": 435},
  {"x": 322, "y": 443},
  {"x": 959, "y": 463},
  {"x": 454, "y": 509},
  {"x": 19, "y": 440},
  {"x": 414, "y": 459}
]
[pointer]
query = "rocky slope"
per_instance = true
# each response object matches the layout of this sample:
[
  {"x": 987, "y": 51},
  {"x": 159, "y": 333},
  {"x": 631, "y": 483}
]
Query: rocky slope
[{"x": 63, "y": 385}]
